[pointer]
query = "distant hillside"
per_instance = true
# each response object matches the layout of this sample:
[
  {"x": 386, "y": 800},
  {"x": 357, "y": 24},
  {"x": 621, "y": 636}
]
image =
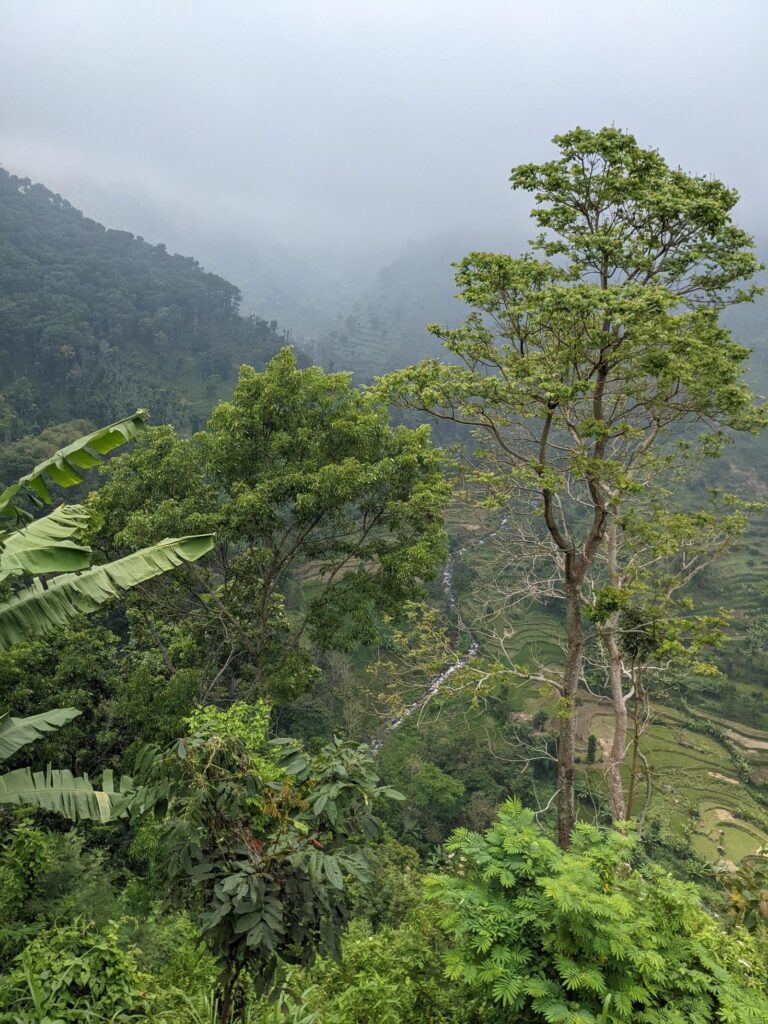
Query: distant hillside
[
  {"x": 386, "y": 327},
  {"x": 95, "y": 322}
]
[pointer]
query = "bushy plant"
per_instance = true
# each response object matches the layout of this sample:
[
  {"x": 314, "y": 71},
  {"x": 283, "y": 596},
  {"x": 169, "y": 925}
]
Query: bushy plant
[
  {"x": 392, "y": 976},
  {"x": 259, "y": 838},
  {"x": 75, "y": 973},
  {"x": 583, "y": 937}
]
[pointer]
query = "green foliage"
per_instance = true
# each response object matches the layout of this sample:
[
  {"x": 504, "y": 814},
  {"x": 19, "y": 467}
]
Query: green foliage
[
  {"x": 390, "y": 976},
  {"x": 45, "y": 547},
  {"x": 65, "y": 467},
  {"x": 26, "y": 853},
  {"x": 392, "y": 888},
  {"x": 55, "y": 789},
  {"x": 261, "y": 837},
  {"x": 591, "y": 749},
  {"x": 327, "y": 518},
  {"x": 15, "y": 732},
  {"x": 748, "y": 889},
  {"x": 583, "y": 937},
  {"x": 168, "y": 950},
  {"x": 44, "y": 606},
  {"x": 667, "y": 226},
  {"x": 75, "y": 973},
  {"x": 50, "y": 878},
  {"x": 757, "y": 633},
  {"x": 77, "y": 666},
  {"x": 93, "y": 320},
  {"x": 578, "y": 365}
]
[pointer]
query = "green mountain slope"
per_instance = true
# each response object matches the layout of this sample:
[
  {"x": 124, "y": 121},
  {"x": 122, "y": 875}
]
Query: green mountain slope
[
  {"x": 95, "y": 322},
  {"x": 386, "y": 327}
]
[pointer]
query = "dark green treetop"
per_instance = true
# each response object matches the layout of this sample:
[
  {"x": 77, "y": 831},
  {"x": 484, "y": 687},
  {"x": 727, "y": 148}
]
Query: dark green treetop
[{"x": 327, "y": 518}]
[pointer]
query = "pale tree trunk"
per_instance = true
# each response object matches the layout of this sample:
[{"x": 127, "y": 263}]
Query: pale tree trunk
[
  {"x": 566, "y": 750},
  {"x": 609, "y": 633},
  {"x": 618, "y": 749},
  {"x": 639, "y": 697}
]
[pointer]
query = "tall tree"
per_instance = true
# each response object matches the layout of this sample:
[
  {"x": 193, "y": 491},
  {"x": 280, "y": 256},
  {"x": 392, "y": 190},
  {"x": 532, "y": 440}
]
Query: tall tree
[
  {"x": 584, "y": 358},
  {"x": 326, "y": 516}
]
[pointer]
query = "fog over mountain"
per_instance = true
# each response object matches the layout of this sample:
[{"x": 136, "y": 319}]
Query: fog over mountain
[{"x": 298, "y": 148}]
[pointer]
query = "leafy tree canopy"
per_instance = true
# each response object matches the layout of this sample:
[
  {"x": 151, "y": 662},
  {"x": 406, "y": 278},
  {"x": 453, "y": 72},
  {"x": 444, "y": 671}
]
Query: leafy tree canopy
[
  {"x": 585, "y": 359},
  {"x": 327, "y": 518}
]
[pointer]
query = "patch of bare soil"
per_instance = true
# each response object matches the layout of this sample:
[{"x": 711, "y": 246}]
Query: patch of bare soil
[
  {"x": 746, "y": 741},
  {"x": 723, "y": 778},
  {"x": 722, "y": 814}
]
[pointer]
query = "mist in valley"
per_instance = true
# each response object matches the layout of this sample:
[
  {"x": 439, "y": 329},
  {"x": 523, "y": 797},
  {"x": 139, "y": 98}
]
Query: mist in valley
[{"x": 332, "y": 159}]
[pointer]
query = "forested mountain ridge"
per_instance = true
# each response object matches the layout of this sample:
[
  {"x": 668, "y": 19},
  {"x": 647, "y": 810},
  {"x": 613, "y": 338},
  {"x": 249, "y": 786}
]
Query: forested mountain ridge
[{"x": 96, "y": 321}]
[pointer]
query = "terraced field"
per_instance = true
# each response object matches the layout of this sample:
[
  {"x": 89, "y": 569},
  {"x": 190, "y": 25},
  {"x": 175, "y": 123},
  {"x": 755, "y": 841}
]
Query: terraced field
[{"x": 695, "y": 787}]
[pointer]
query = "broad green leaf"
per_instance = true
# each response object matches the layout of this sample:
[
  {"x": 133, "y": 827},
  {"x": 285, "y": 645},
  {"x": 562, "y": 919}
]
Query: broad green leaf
[
  {"x": 43, "y": 607},
  {"x": 16, "y": 732},
  {"x": 60, "y": 791},
  {"x": 45, "y": 545},
  {"x": 64, "y": 466},
  {"x": 333, "y": 872}
]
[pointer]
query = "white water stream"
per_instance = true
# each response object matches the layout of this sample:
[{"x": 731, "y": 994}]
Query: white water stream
[{"x": 438, "y": 681}]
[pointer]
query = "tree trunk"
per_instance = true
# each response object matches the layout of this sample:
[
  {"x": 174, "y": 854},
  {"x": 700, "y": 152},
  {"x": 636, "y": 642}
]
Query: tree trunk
[
  {"x": 635, "y": 751},
  {"x": 608, "y": 637},
  {"x": 227, "y": 995},
  {"x": 619, "y": 744},
  {"x": 566, "y": 797}
]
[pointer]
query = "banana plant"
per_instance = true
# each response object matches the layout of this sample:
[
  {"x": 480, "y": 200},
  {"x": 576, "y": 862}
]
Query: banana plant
[
  {"x": 64, "y": 585},
  {"x": 65, "y": 467},
  {"x": 47, "y": 604},
  {"x": 55, "y": 789}
]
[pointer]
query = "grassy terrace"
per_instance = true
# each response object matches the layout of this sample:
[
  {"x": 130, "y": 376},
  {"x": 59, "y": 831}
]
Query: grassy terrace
[{"x": 695, "y": 785}]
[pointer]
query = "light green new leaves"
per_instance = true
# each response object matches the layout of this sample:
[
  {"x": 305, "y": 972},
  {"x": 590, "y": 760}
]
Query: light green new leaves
[{"x": 583, "y": 935}]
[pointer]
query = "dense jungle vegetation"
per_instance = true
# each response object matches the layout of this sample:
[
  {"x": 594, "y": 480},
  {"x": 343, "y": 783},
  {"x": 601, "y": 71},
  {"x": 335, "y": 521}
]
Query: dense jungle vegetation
[
  {"x": 437, "y": 700},
  {"x": 95, "y": 322}
]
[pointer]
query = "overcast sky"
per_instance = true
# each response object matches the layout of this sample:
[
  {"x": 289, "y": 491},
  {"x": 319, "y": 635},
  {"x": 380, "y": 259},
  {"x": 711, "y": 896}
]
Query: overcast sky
[{"x": 345, "y": 126}]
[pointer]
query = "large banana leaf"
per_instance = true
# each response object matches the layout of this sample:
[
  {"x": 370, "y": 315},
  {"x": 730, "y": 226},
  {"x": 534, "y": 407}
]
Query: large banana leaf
[
  {"x": 45, "y": 605},
  {"x": 45, "y": 544},
  {"x": 58, "y": 790},
  {"x": 16, "y": 732},
  {"x": 64, "y": 467}
]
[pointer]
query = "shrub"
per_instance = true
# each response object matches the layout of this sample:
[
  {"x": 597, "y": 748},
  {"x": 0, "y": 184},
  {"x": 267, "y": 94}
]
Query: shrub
[
  {"x": 75, "y": 974},
  {"x": 581, "y": 937}
]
